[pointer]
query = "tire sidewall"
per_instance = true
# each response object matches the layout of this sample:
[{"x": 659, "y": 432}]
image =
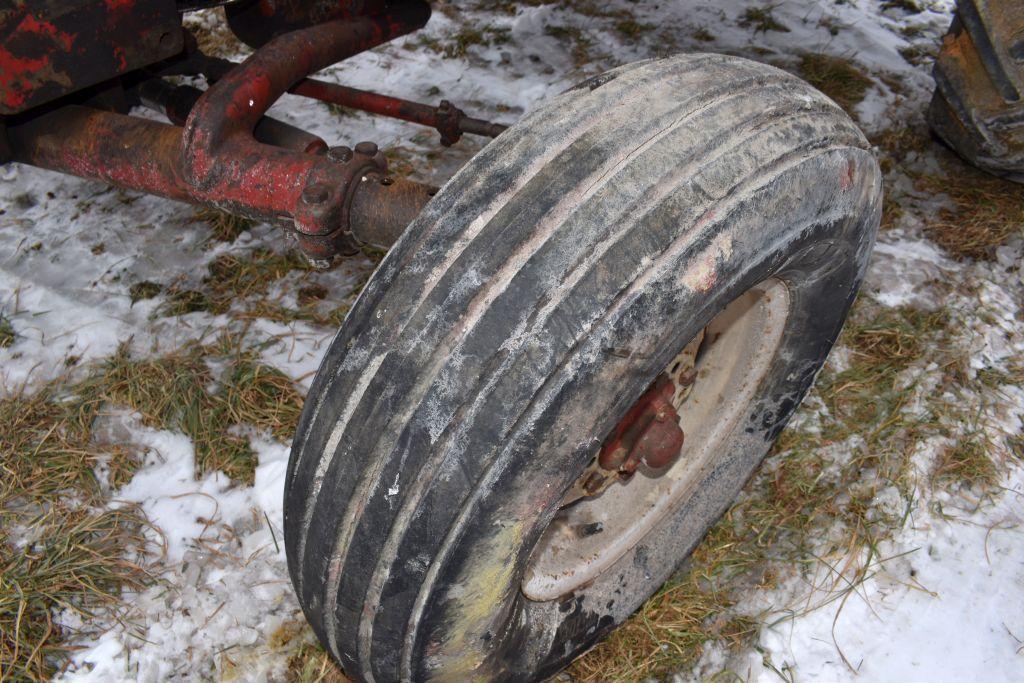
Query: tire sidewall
[{"x": 821, "y": 259}]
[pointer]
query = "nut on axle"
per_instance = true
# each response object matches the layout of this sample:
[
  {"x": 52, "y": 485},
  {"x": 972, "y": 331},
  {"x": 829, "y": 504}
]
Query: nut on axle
[{"x": 323, "y": 216}]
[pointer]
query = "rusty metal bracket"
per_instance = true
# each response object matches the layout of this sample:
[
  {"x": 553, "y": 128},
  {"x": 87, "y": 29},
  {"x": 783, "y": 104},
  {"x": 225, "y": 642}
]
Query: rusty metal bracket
[{"x": 450, "y": 121}]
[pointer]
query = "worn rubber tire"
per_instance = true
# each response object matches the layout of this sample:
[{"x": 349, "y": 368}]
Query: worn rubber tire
[
  {"x": 518, "y": 318},
  {"x": 978, "y": 106}
]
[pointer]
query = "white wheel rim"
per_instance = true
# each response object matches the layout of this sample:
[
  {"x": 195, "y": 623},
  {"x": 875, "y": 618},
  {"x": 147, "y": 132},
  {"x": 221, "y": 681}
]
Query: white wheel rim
[{"x": 740, "y": 346}]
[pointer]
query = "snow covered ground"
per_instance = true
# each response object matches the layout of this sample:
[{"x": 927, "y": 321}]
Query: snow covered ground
[{"x": 943, "y": 601}]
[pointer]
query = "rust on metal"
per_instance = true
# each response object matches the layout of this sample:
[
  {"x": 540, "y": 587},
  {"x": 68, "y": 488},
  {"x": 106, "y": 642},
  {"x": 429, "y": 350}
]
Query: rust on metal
[
  {"x": 978, "y": 107},
  {"x": 51, "y": 49},
  {"x": 450, "y": 121},
  {"x": 145, "y": 155},
  {"x": 215, "y": 159},
  {"x": 222, "y": 150},
  {"x": 175, "y": 102},
  {"x": 126, "y": 151},
  {"x": 382, "y": 207},
  {"x": 649, "y": 433}
]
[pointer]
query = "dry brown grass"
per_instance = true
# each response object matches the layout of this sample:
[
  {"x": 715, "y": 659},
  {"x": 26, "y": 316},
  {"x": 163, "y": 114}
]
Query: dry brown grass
[
  {"x": 231, "y": 278},
  {"x": 579, "y": 44},
  {"x": 142, "y": 291},
  {"x": 967, "y": 462},
  {"x": 898, "y": 142},
  {"x": 238, "y": 284},
  {"x": 60, "y": 549},
  {"x": 896, "y": 145},
  {"x": 809, "y": 504},
  {"x": 226, "y": 227},
  {"x": 761, "y": 20},
  {"x": 310, "y": 663},
  {"x": 7, "y": 335},
  {"x": 986, "y": 210},
  {"x": 836, "y": 77}
]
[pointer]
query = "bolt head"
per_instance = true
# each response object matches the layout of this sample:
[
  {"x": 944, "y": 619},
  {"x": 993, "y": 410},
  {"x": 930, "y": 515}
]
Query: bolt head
[
  {"x": 315, "y": 194},
  {"x": 340, "y": 154},
  {"x": 367, "y": 148}
]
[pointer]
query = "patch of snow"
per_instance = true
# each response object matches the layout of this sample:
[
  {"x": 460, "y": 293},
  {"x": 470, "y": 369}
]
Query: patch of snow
[
  {"x": 225, "y": 593},
  {"x": 903, "y": 270},
  {"x": 944, "y": 604}
]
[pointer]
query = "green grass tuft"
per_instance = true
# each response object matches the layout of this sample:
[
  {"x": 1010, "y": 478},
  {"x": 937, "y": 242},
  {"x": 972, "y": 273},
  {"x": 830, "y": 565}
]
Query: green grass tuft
[
  {"x": 704, "y": 35},
  {"x": 141, "y": 291},
  {"x": 180, "y": 391},
  {"x": 631, "y": 28},
  {"x": 233, "y": 278},
  {"x": 966, "y": 463}
]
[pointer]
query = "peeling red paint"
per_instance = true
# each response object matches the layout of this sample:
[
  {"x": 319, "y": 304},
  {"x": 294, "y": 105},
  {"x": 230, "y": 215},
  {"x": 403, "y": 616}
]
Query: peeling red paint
[
  {"x": 14, "y": 85},
  {"x": 18, "y": 72},
  {"x": 31, "y": 24},
  {"x": 122, "y": 61},
  {"x": 215, "y": 159},
  {"x": 49, "y": 50}
]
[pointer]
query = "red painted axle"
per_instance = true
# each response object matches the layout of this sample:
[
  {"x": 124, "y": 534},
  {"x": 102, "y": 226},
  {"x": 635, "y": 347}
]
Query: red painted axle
[{"x": 216, "y": 160}]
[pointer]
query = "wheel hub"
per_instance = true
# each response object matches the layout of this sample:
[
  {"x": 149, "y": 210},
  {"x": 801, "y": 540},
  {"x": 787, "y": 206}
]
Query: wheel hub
[
  {"x": 649, "y": 433},
  {"x": 644, "y": 469}
]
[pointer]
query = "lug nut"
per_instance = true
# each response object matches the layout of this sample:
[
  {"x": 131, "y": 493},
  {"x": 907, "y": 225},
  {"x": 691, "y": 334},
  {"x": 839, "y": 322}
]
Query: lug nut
[
  {"x": 340, "y": 154},
  {"x": 315, "y": 194},
  {"x": 367, "y": 148}
]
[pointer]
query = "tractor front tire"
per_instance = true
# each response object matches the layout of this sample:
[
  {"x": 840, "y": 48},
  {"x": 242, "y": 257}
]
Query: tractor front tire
[
  {"x": 536, "y": 298},
  {"x": 978, "y": 107}
]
